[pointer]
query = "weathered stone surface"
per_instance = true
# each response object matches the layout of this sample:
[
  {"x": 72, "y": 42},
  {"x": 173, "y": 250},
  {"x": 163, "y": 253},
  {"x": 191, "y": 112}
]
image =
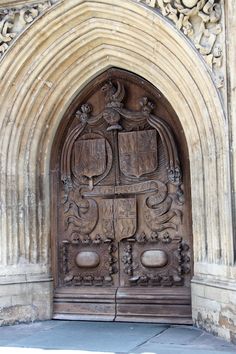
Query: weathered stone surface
[
  {"x": 15, "y": 19},
  {"x": 202, "y": 21},
  {"x": 214, "y": 307},
  {"x": 45, "y": 68},
  {"x": 25, "y": 302},
  {"x": 210, "y": 203},
  {"x": 24, "y": 313}
]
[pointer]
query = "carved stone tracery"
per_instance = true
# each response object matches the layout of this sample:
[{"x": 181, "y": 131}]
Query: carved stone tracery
[
  {"x": 15, "y": 19},
  {"x": 201, "y": 21}
]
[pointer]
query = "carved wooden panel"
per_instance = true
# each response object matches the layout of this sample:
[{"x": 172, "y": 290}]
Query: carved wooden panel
[
  {"x": 137, "y": 152},
  {"x": 122, "y": 219}
]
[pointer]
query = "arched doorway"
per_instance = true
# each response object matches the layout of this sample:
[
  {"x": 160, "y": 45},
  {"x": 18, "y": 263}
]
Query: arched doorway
[
  {"x": 121, "y": 219},
  {"x": 44, "y": 70}
]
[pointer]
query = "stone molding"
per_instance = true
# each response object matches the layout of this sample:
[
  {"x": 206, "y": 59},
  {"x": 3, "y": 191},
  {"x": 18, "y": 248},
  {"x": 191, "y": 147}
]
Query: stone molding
[
  {"x": 18, "y": 280},
  {"x": 202, "y": 22},
  {"x": 16, "y": 17},
  {"x": 215, "y": 283},
  {"x": 41, "y": 75},
  {"x": 199, "y": 20}
]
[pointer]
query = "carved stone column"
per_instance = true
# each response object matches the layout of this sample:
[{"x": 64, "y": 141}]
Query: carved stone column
[
  {"x": 214, "y": 296},
  {"x": 230, "y": 9}
]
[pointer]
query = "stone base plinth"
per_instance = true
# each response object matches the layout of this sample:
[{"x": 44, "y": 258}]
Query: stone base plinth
[
  {"x": 214, "y": 306},
  {"x": 25, "y": 301}
]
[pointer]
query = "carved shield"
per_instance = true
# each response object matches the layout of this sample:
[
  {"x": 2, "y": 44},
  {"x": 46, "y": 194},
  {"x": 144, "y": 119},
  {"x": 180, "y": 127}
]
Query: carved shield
[
  {"x": 138, "y": 152},
  {"x": 107, "y": 217},
  {"x": 90, "y": 157},
  {"x": 124, "y": 218}
]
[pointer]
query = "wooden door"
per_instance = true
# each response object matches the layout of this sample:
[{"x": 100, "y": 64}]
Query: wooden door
[{"x": 121, "y": 206}]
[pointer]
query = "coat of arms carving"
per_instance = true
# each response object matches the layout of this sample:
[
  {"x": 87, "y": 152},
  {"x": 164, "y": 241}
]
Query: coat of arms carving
[
  {"x": 124, "y": 217},
  {"x": 90, "y": 158},
  {"x": 123, "y": 223},
  {"x": 138, "y": 152}
]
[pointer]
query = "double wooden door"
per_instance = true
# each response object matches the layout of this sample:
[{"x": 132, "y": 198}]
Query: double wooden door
[{"x": 121, "y": 206}]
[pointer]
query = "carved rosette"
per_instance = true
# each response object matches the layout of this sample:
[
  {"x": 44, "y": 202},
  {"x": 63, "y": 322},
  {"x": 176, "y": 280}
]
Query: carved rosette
[{"x": 201, "y": 21}]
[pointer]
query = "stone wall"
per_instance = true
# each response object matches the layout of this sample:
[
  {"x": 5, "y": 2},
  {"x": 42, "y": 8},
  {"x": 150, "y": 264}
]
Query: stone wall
[
  {"x": 214, "y": 307},
  {"x": 25, "y": 301},
  {"x": 50, "y": 51}
]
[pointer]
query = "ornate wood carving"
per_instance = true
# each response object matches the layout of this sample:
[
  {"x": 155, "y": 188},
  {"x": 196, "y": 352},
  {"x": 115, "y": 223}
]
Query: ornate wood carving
[
  {"x": 155, "y": 260},
  {"x": 122, "y": 217},
  {"x": 137, "y": 152},
  {"x": 125, "y": 219},
  {"x": 88, "y": 262},
  {"x": 132, "y": 119}
]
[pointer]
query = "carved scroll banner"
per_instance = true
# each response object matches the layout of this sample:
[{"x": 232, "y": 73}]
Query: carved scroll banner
[{"x": 137, "y": 152}]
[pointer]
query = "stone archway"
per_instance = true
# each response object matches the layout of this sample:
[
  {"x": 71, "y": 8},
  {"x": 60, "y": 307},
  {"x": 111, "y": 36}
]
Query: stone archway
[{"x": 41, "y": 74}]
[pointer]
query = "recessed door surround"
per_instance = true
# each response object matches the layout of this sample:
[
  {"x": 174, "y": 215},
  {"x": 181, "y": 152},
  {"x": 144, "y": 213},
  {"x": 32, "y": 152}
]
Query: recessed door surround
[{"x": 122, "y": 244}]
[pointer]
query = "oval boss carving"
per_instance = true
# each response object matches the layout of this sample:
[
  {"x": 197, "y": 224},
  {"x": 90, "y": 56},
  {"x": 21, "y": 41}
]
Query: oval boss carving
[
  {"x": 87, "y": 259},
  {"x": 154, "y": 258}
]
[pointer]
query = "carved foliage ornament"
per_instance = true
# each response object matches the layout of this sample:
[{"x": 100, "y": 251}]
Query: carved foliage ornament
[
  {"x": 161, "y": 261},
  {"x": 122, "y": 211},
  {"x": 84, "y": 265},
  {"x": 200, "y": 20},
  {"x": 14, "y": 20},
  {"x": 112, "y": 114}
]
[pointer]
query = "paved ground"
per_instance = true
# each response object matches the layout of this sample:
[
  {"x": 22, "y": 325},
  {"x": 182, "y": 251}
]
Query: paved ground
[{"x": 75, "y": 337}]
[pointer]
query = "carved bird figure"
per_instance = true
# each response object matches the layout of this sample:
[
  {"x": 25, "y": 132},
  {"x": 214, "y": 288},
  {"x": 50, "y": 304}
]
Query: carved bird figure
[{"x": 113, "y": 96}]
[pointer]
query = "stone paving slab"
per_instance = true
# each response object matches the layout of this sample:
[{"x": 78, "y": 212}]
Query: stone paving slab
[
  {"x": 13, "y": 350},
  {"x": 90, "y": 336},
  {"x": 153, "y": 349},
  {"x": 178, "y": 335},
  {"x": 76, "y": 337}
]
